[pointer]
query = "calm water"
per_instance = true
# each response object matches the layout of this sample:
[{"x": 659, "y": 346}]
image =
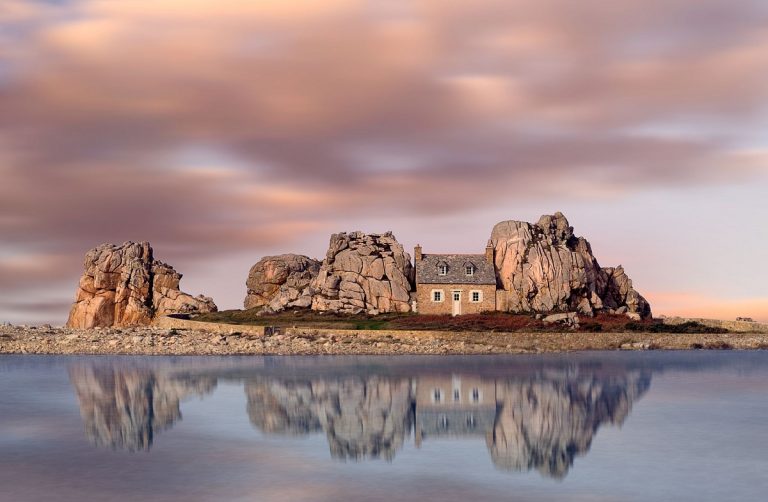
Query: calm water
[{"x": 599, "y": 426}]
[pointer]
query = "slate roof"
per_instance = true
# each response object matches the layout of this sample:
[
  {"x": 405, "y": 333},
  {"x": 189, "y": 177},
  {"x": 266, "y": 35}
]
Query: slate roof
[{"x": 427, "y": 273}]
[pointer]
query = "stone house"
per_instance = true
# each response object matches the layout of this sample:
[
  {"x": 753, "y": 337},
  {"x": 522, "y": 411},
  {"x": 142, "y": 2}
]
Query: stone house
[{"x": 455, "y": 283}]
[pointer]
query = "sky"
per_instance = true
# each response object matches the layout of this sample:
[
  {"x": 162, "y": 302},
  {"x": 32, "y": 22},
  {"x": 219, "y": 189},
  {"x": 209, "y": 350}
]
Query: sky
[{"x": 225, "y": 131}]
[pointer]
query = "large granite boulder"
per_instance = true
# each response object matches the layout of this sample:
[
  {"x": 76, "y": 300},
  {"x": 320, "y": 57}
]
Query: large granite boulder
[
  {"x": 544, "y": 267},
  {"x": 125, "y": 286},
  {"x": 280, "y": 282},
  {"x": 364, "y": 273}
]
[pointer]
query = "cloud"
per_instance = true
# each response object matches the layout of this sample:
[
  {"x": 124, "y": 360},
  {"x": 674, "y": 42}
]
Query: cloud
[{"x": 308, "y": 111}]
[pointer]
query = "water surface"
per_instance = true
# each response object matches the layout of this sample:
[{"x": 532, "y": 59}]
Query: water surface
[{"x": 594, "y": 426}]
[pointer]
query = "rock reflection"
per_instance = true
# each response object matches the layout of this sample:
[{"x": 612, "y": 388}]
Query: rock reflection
[
  {"x": 123, "y": 408},
  {"x": 539, "y": 423},
  {"x": 543, "y": 424},
  {"x": 362, "y": 418},
  {"x": 539, "y": 419}
]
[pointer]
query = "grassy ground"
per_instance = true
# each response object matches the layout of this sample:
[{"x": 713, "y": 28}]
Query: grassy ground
[{"x": 491, "y": 321}]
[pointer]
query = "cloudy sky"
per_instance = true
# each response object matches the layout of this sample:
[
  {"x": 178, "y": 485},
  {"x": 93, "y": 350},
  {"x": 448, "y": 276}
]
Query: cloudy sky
[{"x": 223, "y": 131}]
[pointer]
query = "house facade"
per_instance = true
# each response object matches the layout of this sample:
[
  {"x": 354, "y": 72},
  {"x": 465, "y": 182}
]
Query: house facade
[{"x": 455, "y": 283}]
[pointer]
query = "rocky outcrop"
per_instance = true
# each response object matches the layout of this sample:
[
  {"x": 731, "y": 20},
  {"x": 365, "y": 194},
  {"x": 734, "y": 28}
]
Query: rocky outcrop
[
  {"x": 544, "y": 423},
  {"x": 362, "y": 418},
  {"x": 544, "y": 268},
  {"x": 280, "y": 282},
  {"x": 123, "y": 408},
  {"x": 125, "y": 286},
  {"x": 364, "y": 273}
]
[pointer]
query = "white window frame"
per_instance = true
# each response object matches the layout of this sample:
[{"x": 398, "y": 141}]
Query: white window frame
[
  {"x": 469, "y": 270},
  {"x": 442, "y": 269},
  {"x": 479, "y": 395},
  {"x": 442, "y": 295},
  {"x": 479, "y": 296},
  {"x": 437, "y": 396}
]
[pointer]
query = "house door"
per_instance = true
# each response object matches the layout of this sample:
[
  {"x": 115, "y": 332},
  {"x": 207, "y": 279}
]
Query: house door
[{"x": 456, "y": 302}]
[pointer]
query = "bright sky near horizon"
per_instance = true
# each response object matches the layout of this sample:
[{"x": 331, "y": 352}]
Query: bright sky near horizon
[{"x": 224, "y": 131}]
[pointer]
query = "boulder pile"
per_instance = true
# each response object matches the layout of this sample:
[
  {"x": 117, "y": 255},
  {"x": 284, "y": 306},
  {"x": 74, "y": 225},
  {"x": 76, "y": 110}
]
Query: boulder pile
[
  {"x": 364, "y": 273},
  {"x": 125, "y": 286}
]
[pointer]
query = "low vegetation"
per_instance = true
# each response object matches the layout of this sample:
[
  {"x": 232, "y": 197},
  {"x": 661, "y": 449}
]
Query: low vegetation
[{"x": 487, "y": 322}]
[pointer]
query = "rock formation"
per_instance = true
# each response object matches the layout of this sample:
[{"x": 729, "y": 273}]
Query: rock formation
[
  {"x": 123, "y": 408},
  {"x": 125, "y": 286},
  {"x": 544, "y": 423},
  {"x": 362, "y": 418},
  {"x": 545, "y": 268},
  {"x": 364, "y": 273},
  {"x": 281, "y": 282}
]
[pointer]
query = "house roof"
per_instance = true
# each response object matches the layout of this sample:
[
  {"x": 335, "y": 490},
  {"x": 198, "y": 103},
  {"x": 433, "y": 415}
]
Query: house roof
[{"x": 427, "y": 271}]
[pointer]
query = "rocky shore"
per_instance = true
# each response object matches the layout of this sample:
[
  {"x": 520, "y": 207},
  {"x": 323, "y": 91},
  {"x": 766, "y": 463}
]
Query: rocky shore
[{"x": 239, "y": 340}]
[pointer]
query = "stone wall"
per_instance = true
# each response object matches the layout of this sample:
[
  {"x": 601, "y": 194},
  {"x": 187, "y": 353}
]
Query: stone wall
[{"x": 425, "y": 305}]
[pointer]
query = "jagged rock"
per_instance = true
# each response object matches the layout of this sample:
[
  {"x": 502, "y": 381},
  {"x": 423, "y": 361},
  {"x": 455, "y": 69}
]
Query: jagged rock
[
  {"x": 544, "y": 423},
  {"x": 125, "y": 286},
  {"x": 123, "y": 408},
  {"x": 281, "y": 281},
  {"x": 570, "y": 319},
  {"x": 362, "y": 418},
  {"x": 544, "y": 267},
  {"x": 364, "y": 273}
]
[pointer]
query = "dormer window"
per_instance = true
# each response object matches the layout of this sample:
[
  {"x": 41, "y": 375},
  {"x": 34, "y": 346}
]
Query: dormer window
[
  {"x": 469, "y": 269},
  {"x": 442, "y": 268}
]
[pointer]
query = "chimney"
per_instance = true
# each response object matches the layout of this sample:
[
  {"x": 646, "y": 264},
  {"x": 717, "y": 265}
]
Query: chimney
[
  {"x": 489, "y": 252},
  {"x": 417, "y": 253}
]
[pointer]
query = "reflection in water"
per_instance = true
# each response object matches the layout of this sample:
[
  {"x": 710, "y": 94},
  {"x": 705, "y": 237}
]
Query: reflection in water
[
  {"x": 529, "y": 423},
  {"x": 538, "y": 420},
  {"x": 362, "y": 417},
  {"x": 543, "y": 424},
  {"x": 125, "y": 407}
]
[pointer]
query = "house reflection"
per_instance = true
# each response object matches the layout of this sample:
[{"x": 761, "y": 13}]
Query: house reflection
[{"x": 456, "y": 405}]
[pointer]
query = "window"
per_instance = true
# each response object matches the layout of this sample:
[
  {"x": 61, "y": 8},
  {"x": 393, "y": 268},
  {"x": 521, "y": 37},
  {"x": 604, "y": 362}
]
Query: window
[
  {"x": 471, "y": 421},
  {"x": 442, "y": 269},
  {"x": 475, "y": 395},
  {"x": 456, "y": 395},
  {"x": 437, "y": 295},
  {"x": 476, "y": 296},
  {"x": 457, "y": 296},
  {"x": 470, "y": 270},
  {"x": 437, "y": 396},
  {"x": 443, "y": 422}
]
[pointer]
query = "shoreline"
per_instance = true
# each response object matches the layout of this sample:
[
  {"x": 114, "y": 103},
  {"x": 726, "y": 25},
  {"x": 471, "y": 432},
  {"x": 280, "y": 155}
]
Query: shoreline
[{"x": 251, "y": 340}]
